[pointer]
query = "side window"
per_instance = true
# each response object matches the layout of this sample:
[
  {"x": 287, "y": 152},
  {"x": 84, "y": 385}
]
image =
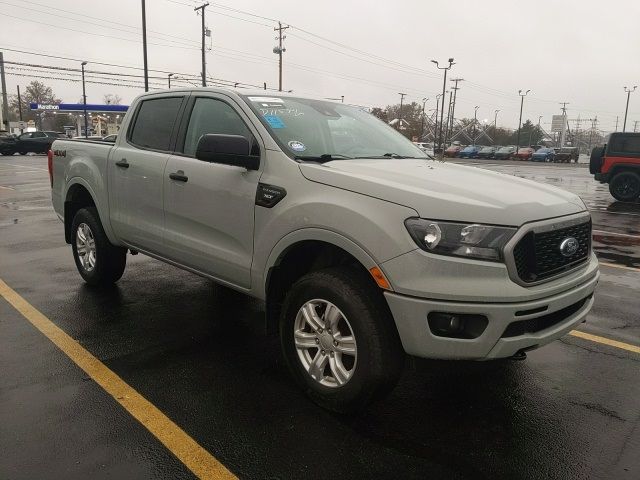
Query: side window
[
  {"x": 38, "y": 135},
  {"x": 212, "y": 116},
  {"x": 154, "y": 123},
  {"x": 24, "y": 136}
]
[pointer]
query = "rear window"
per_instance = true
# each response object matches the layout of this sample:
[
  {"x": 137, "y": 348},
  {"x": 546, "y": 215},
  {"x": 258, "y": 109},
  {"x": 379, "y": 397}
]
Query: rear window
[
  {"x": 154, "y": 123},
  {"x": 626, "y": 144}
]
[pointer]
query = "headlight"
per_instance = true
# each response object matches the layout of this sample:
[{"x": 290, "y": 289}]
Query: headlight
[{"x": 471, "y": 240}]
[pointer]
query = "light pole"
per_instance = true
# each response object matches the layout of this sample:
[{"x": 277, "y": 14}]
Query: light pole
[
  {"x": 495, "y": 126},
  {"x": 435, "y": 132},
  {"x": 84, "y": 101},
  {"x": 522, "y": 95},
  {"x": 531, "y": 131},
  {"x": 144, "y": 46},
  {"x": 475, "y": 121},
  {"x": 169, "y": 78},
  {"x": 402, "y": 95},
  {"x": 626, "y": 110},
  {"x": 424, "y": 103},
  {"x": 444, "y": 85}
]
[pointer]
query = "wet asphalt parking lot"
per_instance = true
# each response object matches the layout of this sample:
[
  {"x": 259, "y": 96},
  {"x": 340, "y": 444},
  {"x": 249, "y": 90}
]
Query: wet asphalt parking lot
[{"x": 198, "y": 354}]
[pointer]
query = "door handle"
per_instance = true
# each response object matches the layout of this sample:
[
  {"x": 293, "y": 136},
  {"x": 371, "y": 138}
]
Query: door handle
[
  {"x": 178, "y": 176},
  {"x": 123, "y": 163}
]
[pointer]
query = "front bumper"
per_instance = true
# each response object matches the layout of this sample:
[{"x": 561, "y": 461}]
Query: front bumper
[{"x": 410, "y": 315}]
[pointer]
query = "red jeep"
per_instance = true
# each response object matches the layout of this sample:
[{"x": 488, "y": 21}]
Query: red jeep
[{"x": 618, "y": 164}]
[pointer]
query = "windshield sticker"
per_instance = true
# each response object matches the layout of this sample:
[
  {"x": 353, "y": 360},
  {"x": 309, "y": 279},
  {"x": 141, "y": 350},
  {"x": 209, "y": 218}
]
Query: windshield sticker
[
  {"x": 274, "y": 121},
  {"x": 297, "y": 146},
  {"x": 266, "y": 99},
  {"x": 281, "y": 111}
]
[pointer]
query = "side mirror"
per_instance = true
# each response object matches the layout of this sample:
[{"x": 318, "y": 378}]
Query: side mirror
[{"x": 227, "y": 149}]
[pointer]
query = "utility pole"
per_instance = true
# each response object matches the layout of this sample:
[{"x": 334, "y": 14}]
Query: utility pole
[
  {"x": 204, "y": 34},
  {"x": 444, "y": 87},
  {"x": 531, "y": 131},
  {"x": 144, "y": 47},
  {"x": 84, "y": 101},
  {"x": 616, "y": 123},
  {"x": 626, "y": 110},
  {"x": 563, "y": 132},
  {"x": 635, "y": 126},
  {"x": 448, "y": 129},
  {"x": 279, "y": 50},
  {"x": 4, "y": 117},
  {"x": 455, "y": 96},
  {"x": 20, "y": 108},
  {"x": 522, "y": 95},
  {"x": 169, "y": 78},
  {"x": 402, "y": 95},
  {"x": 594, "y": 123},
  {"x": 495, "y": 125}
]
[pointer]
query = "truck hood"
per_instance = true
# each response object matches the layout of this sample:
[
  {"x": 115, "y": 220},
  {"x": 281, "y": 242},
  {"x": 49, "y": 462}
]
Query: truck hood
[{"x": 446, "y": 191}]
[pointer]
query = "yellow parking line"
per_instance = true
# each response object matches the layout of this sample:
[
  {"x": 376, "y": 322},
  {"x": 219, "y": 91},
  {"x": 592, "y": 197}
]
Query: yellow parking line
[
  {"x": 605, "y": 341},
  {"x": 186, "y": 449},
  {"x": 613, "y": 265}
]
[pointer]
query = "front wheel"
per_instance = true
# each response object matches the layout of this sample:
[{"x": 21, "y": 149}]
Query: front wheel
[
  {"x": 339, "y": 340},
  {"x": 98, "y": 261},
  {"x": 625, "y": 186}
]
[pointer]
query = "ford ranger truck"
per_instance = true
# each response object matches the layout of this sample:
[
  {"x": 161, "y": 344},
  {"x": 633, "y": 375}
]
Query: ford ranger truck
[{"x": 363, "y": 249}]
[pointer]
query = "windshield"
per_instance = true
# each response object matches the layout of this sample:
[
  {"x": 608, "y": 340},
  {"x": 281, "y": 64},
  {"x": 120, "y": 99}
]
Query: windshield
[
  {"x": 506, "y": 149},
  {"x": 308, "y": 128},
  {"x": 487, "y": 149},
  {"x": 544, "y": 150},
  {"x": 469, "y": 149}
]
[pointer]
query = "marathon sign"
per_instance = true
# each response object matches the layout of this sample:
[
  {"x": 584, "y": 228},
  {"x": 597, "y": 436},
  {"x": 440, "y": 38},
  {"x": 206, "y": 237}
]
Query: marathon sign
[{"x": 78, "y": 107}]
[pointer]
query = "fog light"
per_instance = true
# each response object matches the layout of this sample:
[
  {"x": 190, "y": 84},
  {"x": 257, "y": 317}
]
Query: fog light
[{"x": 456, "y": 325}]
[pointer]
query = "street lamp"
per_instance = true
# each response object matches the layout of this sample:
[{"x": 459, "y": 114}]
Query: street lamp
[
  {"x": 444, "y": 85},
  {"x": 495, "y": 126},
  {"x": 169, "y": 78},
  {"x": 522, "y": 95},
  {"x": 84, "y": 101},
  {"x": 626, "y": 110},
  {"x": 475, "y": 121},
  {"x": 435, "y": 132},
  {"x": 424, "y": 102}
]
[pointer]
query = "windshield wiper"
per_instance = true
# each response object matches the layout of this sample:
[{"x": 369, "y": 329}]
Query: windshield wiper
[
  {"x": 325, "y": 157},
  {"x": 386, "y": 155}
]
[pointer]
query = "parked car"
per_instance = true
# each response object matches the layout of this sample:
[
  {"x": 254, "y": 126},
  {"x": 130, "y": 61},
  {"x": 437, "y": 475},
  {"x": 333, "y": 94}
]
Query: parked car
[
  {"x": 505, "y": 153},
  {"x": 425, "y": 147},
  {"x": 36, "y": 142},
  {"x": 566, "y": 154},
  {"x": 7, "y": 143},
  {"x": 524, "y": 153},
  {"x": 470, "y": 151},
  {"x": 452, "y": 151},
  {"x": 361, "y": 256},
  {"x": 487, "y": 152},
  {"x": 618, "y": 164},
  {"x": 544, "y": 154}
]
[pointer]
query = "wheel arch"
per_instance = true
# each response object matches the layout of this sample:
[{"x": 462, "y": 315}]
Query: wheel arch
[
  {"x": 79, "y": 194},
  {"x": 304, "y": 251}
]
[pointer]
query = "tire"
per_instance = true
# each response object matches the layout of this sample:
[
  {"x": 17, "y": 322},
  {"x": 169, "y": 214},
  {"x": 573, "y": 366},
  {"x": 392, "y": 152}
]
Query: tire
[
  {"x": 362, "y": 313},
  {"x": 625, "y": 186},
  {"x": 104, "y": 263},
  {"x": 23, "y": 152}
]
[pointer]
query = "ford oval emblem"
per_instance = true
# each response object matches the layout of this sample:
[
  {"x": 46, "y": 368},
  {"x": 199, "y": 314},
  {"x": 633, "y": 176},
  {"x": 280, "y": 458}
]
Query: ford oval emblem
[{"x": 569, "y": 246}]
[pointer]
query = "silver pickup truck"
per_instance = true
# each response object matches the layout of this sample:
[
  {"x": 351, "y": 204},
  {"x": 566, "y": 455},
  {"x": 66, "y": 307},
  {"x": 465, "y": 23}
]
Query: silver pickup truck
[{"x": 363, "y": 248}]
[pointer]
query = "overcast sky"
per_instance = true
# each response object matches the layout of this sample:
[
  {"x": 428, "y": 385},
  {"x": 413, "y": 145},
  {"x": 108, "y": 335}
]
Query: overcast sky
[{"x": 562, "y": 50}]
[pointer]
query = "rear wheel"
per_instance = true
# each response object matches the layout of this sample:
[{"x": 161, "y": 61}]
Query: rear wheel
[
  {"x": 339, "y": 339},
  {"x": 625, "y": 186},
  {"x": 98, "y": 261}
]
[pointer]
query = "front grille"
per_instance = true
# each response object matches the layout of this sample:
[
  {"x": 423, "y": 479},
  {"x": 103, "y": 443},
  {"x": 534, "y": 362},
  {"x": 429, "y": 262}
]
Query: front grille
[
  {"x": 533, "y": 325},
  {"x": 537, "y": 255}
]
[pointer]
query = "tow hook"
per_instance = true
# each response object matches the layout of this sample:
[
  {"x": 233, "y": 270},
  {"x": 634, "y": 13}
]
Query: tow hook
[{"x": 519, "y": 355}]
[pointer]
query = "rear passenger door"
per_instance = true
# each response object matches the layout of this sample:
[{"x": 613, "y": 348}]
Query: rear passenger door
[
  {"x": 136, "y": 169},
  {"x": 209, "y": 213}
]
